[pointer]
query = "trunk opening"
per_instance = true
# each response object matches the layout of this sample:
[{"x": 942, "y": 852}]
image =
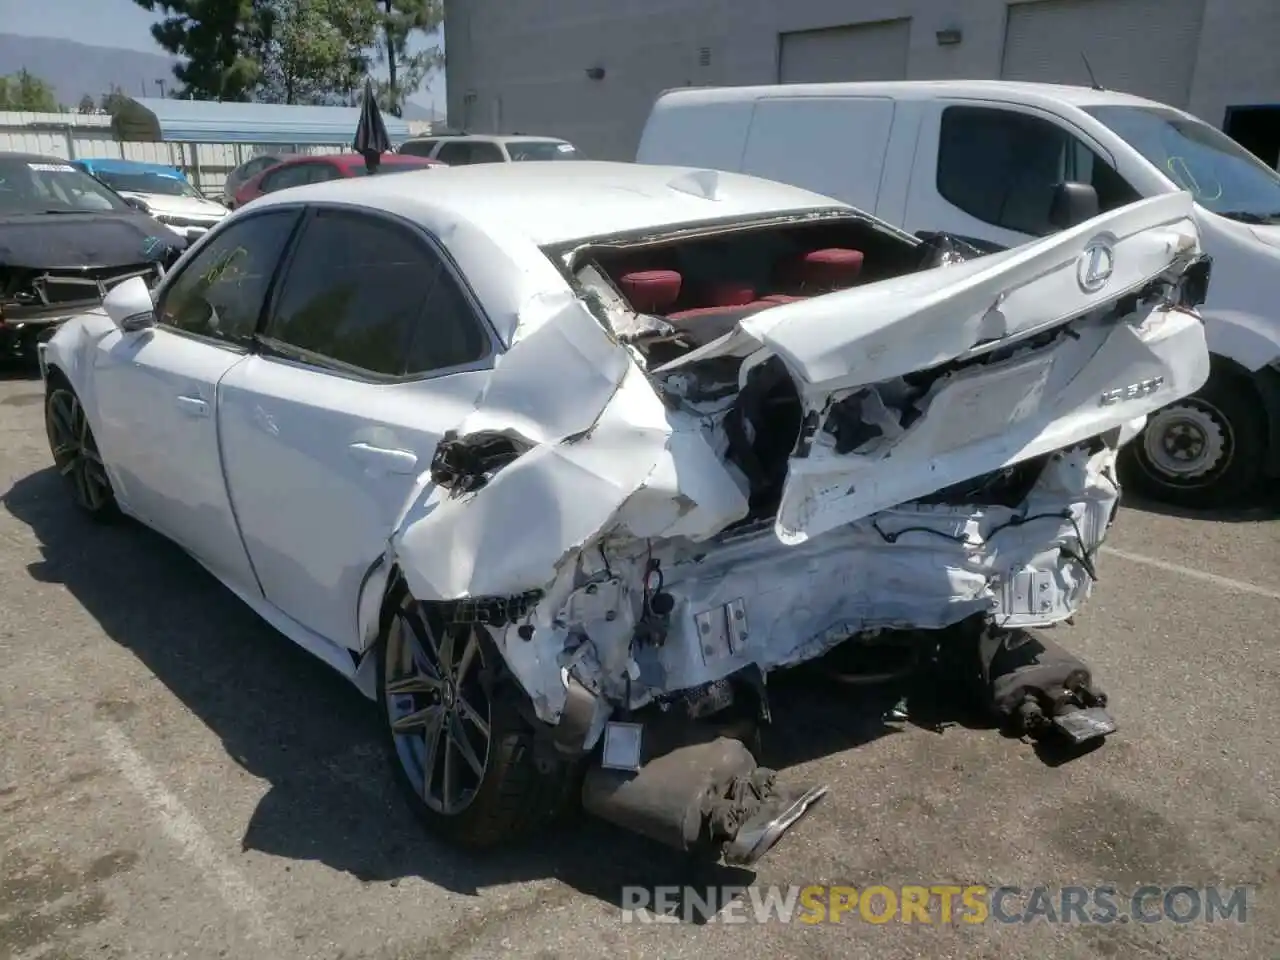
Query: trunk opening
[
  {"x": 667, "y": 296},
  {"x": 766, "y": 424}
]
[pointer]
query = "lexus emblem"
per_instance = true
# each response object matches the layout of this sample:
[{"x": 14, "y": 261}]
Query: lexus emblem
[{"x": 1095, "y": 265}]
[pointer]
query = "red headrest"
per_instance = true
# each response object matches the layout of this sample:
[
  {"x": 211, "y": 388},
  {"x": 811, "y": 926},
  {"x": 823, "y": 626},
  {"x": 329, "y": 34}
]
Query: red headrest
[
  {"x": 651, "y": 291},
  {"x": 730, "y": 295},
  {"x": 830, "y": 267}
]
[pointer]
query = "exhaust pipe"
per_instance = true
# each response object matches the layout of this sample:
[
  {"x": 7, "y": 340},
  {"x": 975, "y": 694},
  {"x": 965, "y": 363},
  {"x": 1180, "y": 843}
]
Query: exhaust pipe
[{"x": 699, "y": 796}]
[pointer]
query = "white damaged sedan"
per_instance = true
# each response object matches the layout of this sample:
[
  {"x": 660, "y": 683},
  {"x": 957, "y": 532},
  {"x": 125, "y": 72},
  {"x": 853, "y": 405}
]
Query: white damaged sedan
[{"x": 558, "y": 462}]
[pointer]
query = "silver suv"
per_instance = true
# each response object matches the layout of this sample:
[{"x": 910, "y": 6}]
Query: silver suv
[{"x": 458, "y": 149}]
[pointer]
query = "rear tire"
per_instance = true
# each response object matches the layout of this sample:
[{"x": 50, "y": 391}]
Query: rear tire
[
  {"x": 1206, "y": 450},
  {"x": 462, "y": 750}
]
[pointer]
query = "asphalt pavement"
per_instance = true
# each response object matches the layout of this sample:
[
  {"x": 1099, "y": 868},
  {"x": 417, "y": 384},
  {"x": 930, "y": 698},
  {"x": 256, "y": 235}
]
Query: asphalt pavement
[{"x": 177, "y": 780}]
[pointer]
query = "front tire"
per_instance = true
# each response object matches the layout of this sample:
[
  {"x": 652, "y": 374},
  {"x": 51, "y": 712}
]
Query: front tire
[
  {"x": 75, "y": 451},
  {"x": 1206, "y": 450},
  {"x": 462, "y": 751}
]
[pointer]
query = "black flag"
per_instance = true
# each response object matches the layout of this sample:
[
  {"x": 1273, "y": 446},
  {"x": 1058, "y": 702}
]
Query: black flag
[{"x": 371, "y": 133}]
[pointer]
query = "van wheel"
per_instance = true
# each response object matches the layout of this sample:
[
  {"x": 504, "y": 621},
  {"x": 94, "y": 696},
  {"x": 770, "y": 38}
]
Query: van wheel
[
  {"x": 1202, "y": 451},
  {"x": 463, "y": 750}
]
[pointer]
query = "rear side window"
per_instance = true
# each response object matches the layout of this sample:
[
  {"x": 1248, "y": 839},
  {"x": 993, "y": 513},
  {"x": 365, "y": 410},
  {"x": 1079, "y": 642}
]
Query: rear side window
[
  {"x": 366, "y": 293},
  {"x": 220, "y": 293},
  {"x": 291, "y": 176},
  {"x": 418, "y": 148},
  {"x": 319, "y": 172},
  {"x": 483, "y": 151},
  {"x": 1001, "y": 167},
  {"x": 256, "y": 166},
  {"x": 455, "y": 153},
  {"x": 526, "y": 150}
]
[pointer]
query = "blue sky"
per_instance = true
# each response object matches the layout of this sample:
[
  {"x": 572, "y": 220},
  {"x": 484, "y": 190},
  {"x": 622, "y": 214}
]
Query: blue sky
[{"x": 118, "y": 23}]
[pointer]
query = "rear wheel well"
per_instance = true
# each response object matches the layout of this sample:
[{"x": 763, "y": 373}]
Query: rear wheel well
[
  {"x": 534, "y": 785},
  {"x": 1263, "y": 387}
]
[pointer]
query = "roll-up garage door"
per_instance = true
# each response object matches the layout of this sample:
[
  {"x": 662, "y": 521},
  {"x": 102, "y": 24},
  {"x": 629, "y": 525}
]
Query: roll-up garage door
[
  {"x": 1144, "y": 47},
  {"x": 864, "y": 51}
]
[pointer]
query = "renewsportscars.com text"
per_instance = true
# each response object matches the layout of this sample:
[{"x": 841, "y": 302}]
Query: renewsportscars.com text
[{"x": 936, "y": 904}]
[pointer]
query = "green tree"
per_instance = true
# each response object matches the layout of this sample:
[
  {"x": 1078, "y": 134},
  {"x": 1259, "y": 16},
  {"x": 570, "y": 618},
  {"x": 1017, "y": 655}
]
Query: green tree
[
  {"x": 87, "y": 104},
  {"x": 27, "y": 92},
  {"x": 113, "y": 101},
  {"x": 217, "y": 38},
  {"x": 400, "y": 20},
  {"x": 313, "y": 51}
]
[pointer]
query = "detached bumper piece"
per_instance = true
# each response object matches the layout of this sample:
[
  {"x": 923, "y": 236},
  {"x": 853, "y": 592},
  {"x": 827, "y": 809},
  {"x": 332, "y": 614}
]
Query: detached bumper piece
[
  {"x": 1038, "y": 689},
  {"x": 700, "y": 797}
]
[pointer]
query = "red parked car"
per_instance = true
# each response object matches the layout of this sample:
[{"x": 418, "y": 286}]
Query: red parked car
[{"x": 296, "y": 171}]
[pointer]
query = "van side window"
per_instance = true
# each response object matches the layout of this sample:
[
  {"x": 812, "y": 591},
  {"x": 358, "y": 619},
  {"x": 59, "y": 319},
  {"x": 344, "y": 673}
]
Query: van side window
[{"x": 1002, "y": 166}]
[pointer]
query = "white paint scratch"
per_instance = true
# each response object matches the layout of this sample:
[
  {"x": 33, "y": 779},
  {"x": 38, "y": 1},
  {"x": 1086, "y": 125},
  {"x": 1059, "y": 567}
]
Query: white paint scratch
[
  {"x": 185, "y": 830},
  {"x": 1226, "y": 583}
]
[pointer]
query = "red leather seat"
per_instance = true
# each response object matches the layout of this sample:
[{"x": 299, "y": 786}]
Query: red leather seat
[
  {"x": 651, "y": 291},
  {"x": 821, "y": 271},
  {"x": 720, "y": 299}
]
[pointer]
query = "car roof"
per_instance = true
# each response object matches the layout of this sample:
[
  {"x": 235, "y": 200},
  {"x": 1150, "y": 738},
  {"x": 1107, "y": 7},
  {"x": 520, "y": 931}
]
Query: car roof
[
  {"x": 549, "y": 203},
  {"x": 277, "y": 157},
  {"x": 31, "y": 157},
  {"x": 487, "y": 137},
  {"x": 116, "y": 165},
  {"x": 346, "y": 160},
  {"x": 1039, "y": 94}
]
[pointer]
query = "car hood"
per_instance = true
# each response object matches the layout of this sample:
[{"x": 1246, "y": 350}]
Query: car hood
[
  {"x": 84, "y": 240},
  {"x": 922, "y": 320},
  {"x": 170, "y": 205},
  {"x": 1269, "y": 235}
]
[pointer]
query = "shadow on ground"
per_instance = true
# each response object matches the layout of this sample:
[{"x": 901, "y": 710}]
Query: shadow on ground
[
  {"x": 1259, "y": 508},
  {"x": 11, "y": 371},
  {"x": 288, "y": 719}
]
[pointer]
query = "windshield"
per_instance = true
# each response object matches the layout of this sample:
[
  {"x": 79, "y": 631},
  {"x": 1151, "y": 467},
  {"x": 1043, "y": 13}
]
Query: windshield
[
  {"x": 51, "y": 186},
  {"x": 1222, "y": 175},
  {"x": 542, "y": 150},
  {"x": 148, "y": 183}
]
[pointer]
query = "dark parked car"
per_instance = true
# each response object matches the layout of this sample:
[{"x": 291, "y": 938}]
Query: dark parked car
[
  {"x": 65, "y": 240},
  {"x": 316, "y": 169}
]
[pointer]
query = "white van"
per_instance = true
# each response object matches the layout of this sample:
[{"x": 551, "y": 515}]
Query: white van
[{"x": 999, "y": 163}]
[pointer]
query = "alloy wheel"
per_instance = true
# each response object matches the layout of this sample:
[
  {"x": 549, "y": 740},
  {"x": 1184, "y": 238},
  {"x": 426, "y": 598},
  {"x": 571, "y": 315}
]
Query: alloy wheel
[
  {"x": 439, "y": 707},
  {"x": 75, "y": 452}
]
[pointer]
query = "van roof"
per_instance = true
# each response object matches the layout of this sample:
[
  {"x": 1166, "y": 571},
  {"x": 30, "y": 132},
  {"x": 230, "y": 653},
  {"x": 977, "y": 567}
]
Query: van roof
[{"x": 1041, "y": 94}]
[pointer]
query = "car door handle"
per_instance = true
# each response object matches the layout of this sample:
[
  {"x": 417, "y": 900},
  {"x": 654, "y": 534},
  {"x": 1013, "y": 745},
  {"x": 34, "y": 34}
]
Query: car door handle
[
  {"x": 392, "y": 461},
  {"x": 193, "y": 406}
]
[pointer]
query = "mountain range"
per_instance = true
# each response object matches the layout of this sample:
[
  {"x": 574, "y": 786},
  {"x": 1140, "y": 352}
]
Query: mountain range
[{"x": 74, "y": 69}]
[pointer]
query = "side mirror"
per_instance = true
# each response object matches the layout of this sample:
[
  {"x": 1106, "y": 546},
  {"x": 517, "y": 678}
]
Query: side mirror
[
  {"x": 129, "y": 305},
  {"x": 1073, "y": 204}
]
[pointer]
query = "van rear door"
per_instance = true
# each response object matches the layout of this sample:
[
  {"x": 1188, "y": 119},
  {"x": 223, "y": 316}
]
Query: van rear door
[
  {"x": 833, "y": 145},
  {"x": 688, "y": 128}
]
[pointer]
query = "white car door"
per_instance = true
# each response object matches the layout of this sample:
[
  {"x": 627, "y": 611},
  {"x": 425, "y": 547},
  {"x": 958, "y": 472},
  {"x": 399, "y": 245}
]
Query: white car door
[
  {"x": 987, "y": 171},
  {"x": 372, "y": 350},
  {"x": 156, "y": 391}
]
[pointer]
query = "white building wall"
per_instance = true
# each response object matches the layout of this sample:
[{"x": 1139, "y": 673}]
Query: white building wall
[{"x": 521, "y": 67}]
